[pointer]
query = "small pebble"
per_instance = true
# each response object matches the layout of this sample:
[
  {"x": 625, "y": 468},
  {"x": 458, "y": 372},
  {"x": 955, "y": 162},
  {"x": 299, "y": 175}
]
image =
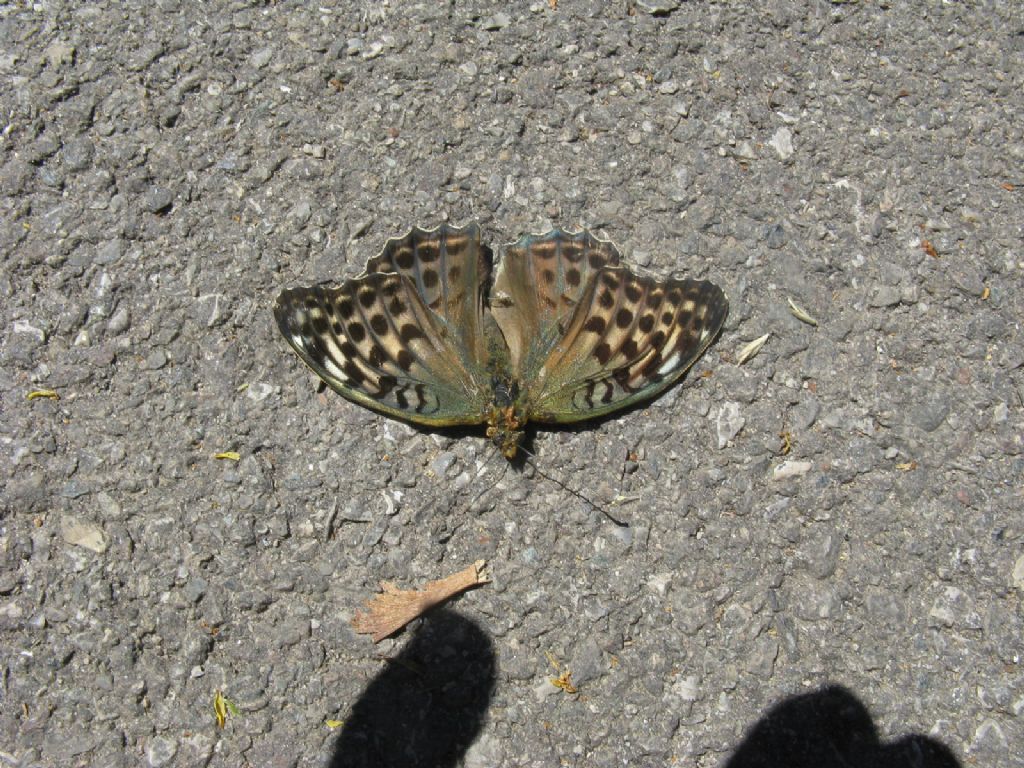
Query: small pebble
[
  {"x": 789, "y": 469},
  {"x": 782, "y": 142},
  {"x": 775, "y": 237},
  {"x": 155, "y": 360},
  {"x": 157, "y": 200},
  {"x": 658, "y": 7},
  {"x": 929, "y": 416},
  {"x": 659, "y": 583},
  {"x": 498, "y": 21},
  {"x": 1018, "y": 574},
  {"x": 442, "y": 463},
  {"x": 83, "y": 534},
  {"x": 885, "y": 296},
  {"x": 109, "y": 252},
  {"x": 161, "y": 751},
  {"x": 728, "y": 422},
  {"x": 261, "y": 58},
  {"x": 745, "y": 151},
  {"x": 119, "y": 323}
]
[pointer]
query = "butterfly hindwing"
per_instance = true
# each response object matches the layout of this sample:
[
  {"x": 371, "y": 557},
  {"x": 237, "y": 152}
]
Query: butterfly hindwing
[
  {"x": 397, "y": 340},
  {"x": 628, "y": 339}
]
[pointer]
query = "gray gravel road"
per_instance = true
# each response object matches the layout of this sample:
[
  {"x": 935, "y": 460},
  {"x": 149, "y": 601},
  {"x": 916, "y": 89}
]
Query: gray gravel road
[{"x": 168, "y": 167}]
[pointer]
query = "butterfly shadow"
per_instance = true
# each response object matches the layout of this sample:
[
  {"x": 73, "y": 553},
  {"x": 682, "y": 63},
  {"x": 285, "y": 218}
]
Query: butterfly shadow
[
  {"x": 428, "y": 704},
  {"x": 831, "y": 728}
]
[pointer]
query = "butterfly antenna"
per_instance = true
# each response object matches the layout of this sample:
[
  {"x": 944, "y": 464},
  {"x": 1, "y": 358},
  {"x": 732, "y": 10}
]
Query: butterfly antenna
[
  {"x": 531, "y": 456},
  {"x": 479, "y": 472}
]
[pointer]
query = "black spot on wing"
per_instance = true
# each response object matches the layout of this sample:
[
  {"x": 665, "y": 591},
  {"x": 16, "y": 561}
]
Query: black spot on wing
[
  {"x": 379, "y": 324},
  {"x": 404, "y": 258},
  {"x": 410, "y": 332}
]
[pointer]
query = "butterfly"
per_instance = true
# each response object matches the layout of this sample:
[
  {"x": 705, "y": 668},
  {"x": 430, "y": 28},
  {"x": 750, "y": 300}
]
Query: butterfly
[{"x": 562, "y": 333}]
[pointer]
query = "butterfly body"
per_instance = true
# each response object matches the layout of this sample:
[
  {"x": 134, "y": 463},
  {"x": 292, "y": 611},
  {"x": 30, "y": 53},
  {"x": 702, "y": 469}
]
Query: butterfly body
[{"x": 562, "y": 333}]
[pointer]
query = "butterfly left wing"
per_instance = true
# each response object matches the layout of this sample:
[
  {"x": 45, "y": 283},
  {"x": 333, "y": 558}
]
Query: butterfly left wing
[
  {"x": 628, "y": 339},
  {"x": 406, "y": 337},
  {"x": 449, "y": 268}
]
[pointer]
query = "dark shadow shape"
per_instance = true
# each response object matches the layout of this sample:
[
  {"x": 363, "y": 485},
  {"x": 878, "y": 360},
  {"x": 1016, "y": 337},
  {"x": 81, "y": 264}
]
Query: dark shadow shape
[
  {"x": 427, "y": 705},
  {"x": 830, "y": 728}
]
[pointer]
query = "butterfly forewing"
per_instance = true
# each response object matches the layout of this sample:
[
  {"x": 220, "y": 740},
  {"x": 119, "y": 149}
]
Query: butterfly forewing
[
  {"x": 539, "y": 283},
  {"x": 450, "y": 270},
  {"x": 376, "y": 340}
]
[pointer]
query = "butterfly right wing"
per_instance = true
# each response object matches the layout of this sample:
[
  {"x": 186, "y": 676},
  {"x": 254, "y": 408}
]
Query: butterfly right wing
[
  {"x": 540, "y": 281},
  {"x": 629, "y": 338},
  {"x": 375, "y": 341}
]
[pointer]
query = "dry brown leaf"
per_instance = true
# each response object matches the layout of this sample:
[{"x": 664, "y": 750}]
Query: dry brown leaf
[{"x": 394, "y": 608}]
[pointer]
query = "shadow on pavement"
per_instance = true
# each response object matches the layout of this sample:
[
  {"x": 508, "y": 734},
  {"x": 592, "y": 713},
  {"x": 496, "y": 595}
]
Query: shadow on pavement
[
  {"x": 427, "y": 705},
  {"x": 831, "y": 728}
]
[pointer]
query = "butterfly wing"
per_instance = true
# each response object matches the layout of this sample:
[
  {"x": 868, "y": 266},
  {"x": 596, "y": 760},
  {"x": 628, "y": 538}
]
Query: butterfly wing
[
  {"x": 406, "y": 338},
  {"x": 628, "y": 340},
  {"x": 540, "y": 281},
  {"x": 450, "y": 270},
  {"x": 615, "y": 340}
]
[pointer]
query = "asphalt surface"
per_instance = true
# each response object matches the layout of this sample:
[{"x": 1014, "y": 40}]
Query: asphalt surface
[{"x": 167, "y": 168}]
